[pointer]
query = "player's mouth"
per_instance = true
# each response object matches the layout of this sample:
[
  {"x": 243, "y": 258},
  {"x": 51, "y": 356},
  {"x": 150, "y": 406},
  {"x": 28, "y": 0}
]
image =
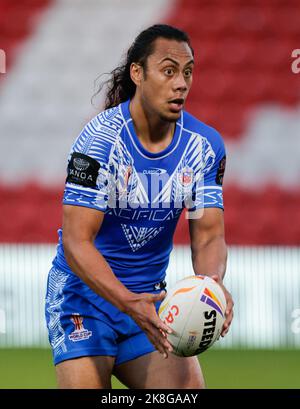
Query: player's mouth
[{"x": 176, "y": 104}]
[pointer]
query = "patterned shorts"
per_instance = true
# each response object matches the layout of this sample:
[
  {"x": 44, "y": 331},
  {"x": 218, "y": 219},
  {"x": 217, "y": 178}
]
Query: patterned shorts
[{"x": 81, "y": 323}]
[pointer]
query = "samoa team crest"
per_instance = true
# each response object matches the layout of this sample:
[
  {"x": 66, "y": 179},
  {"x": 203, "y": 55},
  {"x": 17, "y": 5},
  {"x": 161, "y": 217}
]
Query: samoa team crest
[
  {"x": 186, "y": 176},
  {"x": 80, "y": 333}
]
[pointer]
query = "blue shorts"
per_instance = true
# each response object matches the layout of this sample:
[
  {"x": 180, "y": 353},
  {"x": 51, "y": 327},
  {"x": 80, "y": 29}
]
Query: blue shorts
[{"x": 81, "y": 323}]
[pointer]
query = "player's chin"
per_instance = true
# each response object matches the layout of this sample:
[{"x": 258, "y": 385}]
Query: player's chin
[{"x": 172, "y": 116}]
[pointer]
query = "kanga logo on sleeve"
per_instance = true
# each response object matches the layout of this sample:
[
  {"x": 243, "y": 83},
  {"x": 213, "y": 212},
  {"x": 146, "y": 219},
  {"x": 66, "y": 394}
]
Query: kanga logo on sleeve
[
  {"x": 221, "y": 171},
  {"x": 80, "y": 333},
  {"x": 82, "y": 170}
]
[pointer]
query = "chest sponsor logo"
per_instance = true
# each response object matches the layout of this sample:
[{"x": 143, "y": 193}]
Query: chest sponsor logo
[{"x": 154, "y": 171}]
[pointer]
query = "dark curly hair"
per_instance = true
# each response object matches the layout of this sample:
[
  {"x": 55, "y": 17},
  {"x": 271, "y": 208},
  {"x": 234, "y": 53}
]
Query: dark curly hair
[{"x": 119, "y": 86}]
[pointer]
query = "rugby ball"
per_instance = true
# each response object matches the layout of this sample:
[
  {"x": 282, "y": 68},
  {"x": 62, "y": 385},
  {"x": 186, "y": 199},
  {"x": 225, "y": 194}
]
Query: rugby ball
[{"x": 195, "y": 310}]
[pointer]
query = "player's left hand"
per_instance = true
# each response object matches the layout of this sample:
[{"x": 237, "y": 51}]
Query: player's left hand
[{"x": 229, "y": 305}]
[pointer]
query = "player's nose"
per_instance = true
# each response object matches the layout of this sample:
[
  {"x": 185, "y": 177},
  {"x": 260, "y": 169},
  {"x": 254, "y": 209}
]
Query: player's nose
[{"x": 180, "y": 83}]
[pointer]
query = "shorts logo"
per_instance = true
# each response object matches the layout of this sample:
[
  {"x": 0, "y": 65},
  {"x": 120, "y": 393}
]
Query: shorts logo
[{"x": 80, "y": 333}]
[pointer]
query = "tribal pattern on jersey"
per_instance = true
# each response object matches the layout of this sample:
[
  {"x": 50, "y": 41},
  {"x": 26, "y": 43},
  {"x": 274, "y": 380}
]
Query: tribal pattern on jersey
[
  {"x": 126, "y": 186},
  {"x": 142, "y": 193},
  {"x": 138, "y": 237},
  {"x": 196, "y": 161}
]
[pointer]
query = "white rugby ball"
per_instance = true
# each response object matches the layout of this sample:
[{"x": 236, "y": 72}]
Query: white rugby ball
[{"x": 195, "y": 310}]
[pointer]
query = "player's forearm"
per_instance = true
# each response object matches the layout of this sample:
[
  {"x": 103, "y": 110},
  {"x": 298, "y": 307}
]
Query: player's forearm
[
  {"x": 210, "y": 258},
  {"x": 86, "y": 261}
]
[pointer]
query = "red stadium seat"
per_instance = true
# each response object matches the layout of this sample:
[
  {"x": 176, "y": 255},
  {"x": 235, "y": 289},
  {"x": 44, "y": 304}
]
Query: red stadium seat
[
  {"x": 288, "y": 16},
  {"x": 243, "y": 52},
  {"x": 237, "y": 72}
]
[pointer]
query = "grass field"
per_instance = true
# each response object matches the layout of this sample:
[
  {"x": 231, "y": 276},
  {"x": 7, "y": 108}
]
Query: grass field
[{"x": 32, "y": 368}]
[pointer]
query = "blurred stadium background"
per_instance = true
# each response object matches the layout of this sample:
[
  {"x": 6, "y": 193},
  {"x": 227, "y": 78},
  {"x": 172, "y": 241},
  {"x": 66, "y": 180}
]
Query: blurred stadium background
[{"x": 243, "y": 85}]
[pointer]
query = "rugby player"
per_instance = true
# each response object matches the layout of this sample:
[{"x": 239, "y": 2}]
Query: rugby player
[{"x": 131, "y": 172}]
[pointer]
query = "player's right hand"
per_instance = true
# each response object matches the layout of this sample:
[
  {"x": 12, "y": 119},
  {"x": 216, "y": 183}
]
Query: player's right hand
[{"x": 141, "y": 308}]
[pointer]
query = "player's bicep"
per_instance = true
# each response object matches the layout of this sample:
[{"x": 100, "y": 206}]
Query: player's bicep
[
  {"x": 80, "y": 224},
  {"x": 207, "y": 227}
]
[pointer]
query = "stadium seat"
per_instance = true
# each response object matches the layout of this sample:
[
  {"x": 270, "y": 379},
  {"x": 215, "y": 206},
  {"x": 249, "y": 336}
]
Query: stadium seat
[{"x": 243, "y": 55}]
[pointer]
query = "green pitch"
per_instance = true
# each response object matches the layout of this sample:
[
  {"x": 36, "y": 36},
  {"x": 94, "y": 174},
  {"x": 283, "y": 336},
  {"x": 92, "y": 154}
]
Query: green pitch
[{"x": 32, "y": 368}]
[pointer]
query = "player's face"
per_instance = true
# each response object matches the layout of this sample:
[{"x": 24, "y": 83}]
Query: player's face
[{"x": 167, "y": 80}]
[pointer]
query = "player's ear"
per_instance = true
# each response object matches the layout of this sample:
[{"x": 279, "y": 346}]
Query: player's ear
[{"x": 136, "y": 73}]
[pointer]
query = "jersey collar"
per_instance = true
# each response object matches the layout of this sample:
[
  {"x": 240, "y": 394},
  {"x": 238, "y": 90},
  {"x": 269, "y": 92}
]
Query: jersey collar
[{"x": 144, "y": 152}]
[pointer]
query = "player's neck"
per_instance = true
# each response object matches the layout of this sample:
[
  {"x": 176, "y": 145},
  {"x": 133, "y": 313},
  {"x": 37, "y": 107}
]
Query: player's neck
[{"x": 154, "y": 133}]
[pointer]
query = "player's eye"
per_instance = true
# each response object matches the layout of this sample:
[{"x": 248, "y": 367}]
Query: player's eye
[
  {"x": 169, "y": 71},
  {"x": 188, "y": 73}
]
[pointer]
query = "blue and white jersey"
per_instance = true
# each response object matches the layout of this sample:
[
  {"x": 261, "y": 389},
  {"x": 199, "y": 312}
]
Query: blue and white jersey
[{"x": 141, "y": 193}]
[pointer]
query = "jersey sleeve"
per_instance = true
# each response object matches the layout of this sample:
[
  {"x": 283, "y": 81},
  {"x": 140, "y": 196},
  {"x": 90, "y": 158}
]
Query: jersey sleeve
[
  {"x": 88, "y": 175},
  {"x": 208, "y": 191}
]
